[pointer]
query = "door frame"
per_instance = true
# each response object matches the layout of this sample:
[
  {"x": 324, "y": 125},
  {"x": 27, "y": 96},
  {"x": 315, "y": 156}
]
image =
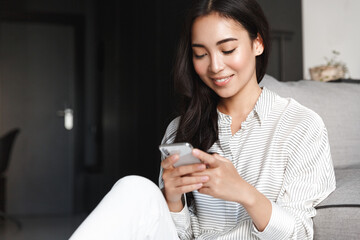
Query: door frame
[{"x": 78, "y": 23}]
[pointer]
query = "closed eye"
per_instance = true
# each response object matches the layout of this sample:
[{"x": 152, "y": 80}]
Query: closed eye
[
  {"x": 229, "y": 52},
  {"x": 199, "y": 56}
]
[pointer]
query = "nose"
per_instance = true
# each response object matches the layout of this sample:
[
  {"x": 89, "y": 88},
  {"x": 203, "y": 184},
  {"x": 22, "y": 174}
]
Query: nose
[{"x": 216, "y": 65}]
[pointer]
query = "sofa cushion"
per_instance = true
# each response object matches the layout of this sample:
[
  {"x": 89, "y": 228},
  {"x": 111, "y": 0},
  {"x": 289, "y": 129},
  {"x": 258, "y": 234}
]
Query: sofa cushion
[
  {"x": 337, "y": 223},
  {"x": 338, "y": 105}
]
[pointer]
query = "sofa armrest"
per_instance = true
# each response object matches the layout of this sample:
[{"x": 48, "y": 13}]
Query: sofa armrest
[
  {"x": 338, "y": 216},
  {"x": 347, "y": 191}
]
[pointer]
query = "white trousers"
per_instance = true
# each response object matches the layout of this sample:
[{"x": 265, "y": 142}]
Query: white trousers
[{"x": 133, "y": 209}]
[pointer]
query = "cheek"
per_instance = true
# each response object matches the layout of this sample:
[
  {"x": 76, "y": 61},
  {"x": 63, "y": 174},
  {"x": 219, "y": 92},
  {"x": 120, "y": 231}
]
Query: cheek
[
  {"x": 237, "y": 62},
  {"x": 200, "y": 67}
]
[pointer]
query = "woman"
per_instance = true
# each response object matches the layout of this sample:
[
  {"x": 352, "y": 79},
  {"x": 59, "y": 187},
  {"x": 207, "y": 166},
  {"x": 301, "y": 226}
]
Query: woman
[
  {"x": 272, "y": 163},
  {"x": 265, "y": 159}
]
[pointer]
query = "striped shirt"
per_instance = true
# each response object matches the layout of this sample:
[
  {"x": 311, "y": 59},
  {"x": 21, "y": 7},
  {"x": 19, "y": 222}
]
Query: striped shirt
[{"x": 282, "y": 149}]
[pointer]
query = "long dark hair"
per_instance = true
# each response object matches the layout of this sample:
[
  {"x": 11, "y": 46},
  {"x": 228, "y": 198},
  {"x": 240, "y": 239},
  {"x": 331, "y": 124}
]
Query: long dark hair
[{"x": 198, "y": 123}]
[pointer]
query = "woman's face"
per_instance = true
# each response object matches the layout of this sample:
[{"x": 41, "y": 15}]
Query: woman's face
[{"x": 224, "y": 56}]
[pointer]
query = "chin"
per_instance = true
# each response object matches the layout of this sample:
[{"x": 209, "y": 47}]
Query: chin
[{"x": 225, "y": 93}]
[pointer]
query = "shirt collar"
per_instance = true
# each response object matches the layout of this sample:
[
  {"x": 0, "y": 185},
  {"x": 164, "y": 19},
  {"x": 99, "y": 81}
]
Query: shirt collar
[
  {"x": 261, "y": 110},
  {"x": 264, "y": 104},
  {"x": 223, "y": 118}
]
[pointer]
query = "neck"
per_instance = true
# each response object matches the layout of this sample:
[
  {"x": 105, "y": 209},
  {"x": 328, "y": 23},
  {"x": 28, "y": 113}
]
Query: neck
[{"x": 243, "y": 102}]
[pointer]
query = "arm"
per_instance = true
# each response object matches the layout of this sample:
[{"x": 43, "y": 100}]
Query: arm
[
  {"x": 174, "y": 183},
  {"x": 308, "y": 179},
  {"x": 183, "y": 220}
]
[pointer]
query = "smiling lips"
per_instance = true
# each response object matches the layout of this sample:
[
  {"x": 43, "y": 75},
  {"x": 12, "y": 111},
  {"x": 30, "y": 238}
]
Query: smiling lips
[{"x": 222, "y": 81}]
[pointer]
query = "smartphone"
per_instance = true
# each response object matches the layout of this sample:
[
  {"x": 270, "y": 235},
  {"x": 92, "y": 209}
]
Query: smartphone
[{"x": 183, "y": 149}]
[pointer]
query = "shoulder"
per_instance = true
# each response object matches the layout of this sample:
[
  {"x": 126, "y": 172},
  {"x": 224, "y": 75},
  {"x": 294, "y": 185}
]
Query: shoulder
[
  {"x": 294, "y": 114},
  {"x": 304, "y": 131},
  {"x": 302, "y": 116},
  {"x": 170, "y": 132},
  {"x": 295, "y": 122}
]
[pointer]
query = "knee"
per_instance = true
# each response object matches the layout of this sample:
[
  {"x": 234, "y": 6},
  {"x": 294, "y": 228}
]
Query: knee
[
  {"x": 138, "y": 194},
  {"x": 135, "y": 185},
  {"x": 134, "y": 180}
]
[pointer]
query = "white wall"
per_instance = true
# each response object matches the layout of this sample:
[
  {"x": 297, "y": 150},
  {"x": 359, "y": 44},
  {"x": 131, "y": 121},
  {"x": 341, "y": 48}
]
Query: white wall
[{"x": 331, "y": 25}]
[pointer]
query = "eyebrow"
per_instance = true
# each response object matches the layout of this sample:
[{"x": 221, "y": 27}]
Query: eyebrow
[{"x": 218, "y": 43}]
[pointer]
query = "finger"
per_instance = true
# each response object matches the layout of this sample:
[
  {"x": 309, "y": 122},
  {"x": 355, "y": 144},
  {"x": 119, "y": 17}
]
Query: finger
[
  {"x": 205, "y": 157},
  {"x": 188, "y": 169},
  {"x": 191, "y": 180},
  {"x": 206, "y": 172},
  {"x": 205, "y": 190},
  {"x": 220, "y": 158},
  {"x": 168, "y": 162},
  {"x": 189, "y": 188}
]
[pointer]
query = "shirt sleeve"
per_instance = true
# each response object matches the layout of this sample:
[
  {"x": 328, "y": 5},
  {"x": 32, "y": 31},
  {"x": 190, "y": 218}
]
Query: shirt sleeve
[
  {"x": 182, "y": 221},
  {"x": 309, "y": 179},
  {"x": 169, "y": 137}
]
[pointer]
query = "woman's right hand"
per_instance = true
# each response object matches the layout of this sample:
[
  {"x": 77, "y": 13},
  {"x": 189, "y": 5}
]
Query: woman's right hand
[{"x": 178, "y": 181}]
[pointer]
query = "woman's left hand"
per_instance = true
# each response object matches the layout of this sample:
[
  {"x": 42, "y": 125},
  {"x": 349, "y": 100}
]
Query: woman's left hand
[
  {"x": 224, "y": 180},
  {"x": 226, "y": 183}
]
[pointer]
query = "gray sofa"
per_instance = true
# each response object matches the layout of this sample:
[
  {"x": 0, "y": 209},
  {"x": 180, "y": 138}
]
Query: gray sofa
[{"x": 338, "y": 103}]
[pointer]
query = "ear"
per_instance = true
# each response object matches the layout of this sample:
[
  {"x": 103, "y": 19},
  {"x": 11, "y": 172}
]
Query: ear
[{"x": 258, "y": 45}]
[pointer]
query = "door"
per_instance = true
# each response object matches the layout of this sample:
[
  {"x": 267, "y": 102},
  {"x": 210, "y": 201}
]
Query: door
[
  {"x": 286, "y": 58},
  {"x": 37, "y": 76}
]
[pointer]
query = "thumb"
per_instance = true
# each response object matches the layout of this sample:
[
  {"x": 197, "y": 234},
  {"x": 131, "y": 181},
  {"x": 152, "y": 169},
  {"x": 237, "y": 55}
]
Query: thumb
[{"x": 206, "y": 158}]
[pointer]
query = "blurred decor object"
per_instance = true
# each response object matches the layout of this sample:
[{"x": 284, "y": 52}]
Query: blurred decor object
[{"x": 333, "y": 69}]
